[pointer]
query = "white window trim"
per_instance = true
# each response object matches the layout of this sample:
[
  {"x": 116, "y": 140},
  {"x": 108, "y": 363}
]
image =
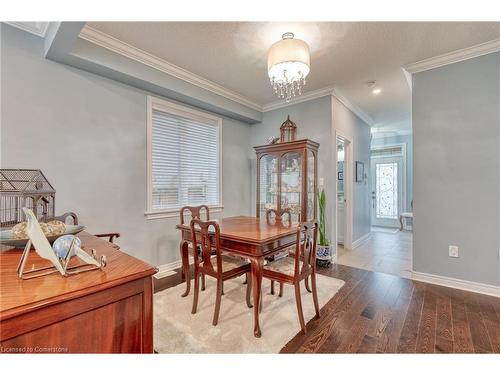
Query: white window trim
[{"x": 184, "y": 111}]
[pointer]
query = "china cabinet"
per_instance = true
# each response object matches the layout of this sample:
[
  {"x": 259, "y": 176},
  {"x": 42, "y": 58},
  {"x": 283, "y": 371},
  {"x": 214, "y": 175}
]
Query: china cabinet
[{"x": 287, "y": 178}]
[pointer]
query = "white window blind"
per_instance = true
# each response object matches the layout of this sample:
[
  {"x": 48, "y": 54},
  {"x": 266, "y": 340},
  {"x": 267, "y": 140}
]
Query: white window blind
[{"x": 184, "y": 157}]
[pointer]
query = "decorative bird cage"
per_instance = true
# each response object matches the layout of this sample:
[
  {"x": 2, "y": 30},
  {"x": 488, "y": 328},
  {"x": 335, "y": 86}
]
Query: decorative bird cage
[
  {"x": 25, "y": 188},
  {"x": 288, "y": 130}
]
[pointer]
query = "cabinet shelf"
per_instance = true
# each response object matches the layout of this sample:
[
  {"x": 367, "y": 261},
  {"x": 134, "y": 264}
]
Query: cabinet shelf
[{"x": 271, "y": 161}]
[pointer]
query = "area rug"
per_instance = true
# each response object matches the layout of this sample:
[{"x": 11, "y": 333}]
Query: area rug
[{"x": 176, "y": 330}]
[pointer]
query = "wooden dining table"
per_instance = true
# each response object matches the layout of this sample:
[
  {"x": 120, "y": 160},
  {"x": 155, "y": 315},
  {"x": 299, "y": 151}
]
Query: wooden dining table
[{"x": 249, "y": 237}]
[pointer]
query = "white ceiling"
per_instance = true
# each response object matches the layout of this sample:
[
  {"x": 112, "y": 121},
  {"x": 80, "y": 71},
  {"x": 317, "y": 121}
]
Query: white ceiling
[{"x": 344, "y": 54}]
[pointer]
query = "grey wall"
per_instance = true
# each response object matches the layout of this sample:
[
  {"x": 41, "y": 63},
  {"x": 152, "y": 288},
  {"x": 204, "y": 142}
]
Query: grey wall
[
  {"x": 345, "y": 121},
  {"x": 456, "y": 139},
  {"x": 408, "y": 141},
  {"x": 88, "y": 135}
]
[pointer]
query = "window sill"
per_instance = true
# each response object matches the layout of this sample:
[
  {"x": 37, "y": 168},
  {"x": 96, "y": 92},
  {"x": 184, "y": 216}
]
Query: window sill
[{"x": 152, "y": 215}]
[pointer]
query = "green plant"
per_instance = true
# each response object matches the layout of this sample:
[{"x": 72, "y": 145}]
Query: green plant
[{"x": 323, "y": 241}]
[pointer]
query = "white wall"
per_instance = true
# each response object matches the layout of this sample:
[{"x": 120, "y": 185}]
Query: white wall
[
  {"x": 88, "y": 135},
  {"x": 456, "y": 141}
]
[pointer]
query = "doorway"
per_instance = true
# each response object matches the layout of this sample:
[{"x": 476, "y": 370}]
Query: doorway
[
  {"x": 388, "y": 185},
  {"x": 343, "y": 177}
]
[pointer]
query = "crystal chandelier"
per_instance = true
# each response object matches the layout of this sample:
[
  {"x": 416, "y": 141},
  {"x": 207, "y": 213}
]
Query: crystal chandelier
[{"x": 288, "y": 66}]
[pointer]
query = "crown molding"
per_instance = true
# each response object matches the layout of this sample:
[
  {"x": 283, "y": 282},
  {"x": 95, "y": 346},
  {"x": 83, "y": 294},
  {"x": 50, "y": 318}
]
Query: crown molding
[
  {"x": 36, "y": 28},
  {"x": 454, "y": 57},
  {"x": 113, "y": 44},
  {"x": 353, "y": 107},
  {"x": 391, "y": 133},
  {"x": 310, "y": 95}
]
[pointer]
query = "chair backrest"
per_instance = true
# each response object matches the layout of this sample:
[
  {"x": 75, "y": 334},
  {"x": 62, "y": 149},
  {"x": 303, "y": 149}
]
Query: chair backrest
[
  {"x": 306, "y": 247},
  {"x": 195, "y": 212},
  {"x": 275, "y": 217},
  {"x": 64, "y": 217},
  {"x": 207, "y": 240}
]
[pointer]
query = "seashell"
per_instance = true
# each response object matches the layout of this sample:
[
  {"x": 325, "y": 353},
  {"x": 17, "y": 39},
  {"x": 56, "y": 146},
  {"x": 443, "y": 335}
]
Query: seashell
[
  {"x": 19, "y": 231},
  {"x": 55, "y": 228}
]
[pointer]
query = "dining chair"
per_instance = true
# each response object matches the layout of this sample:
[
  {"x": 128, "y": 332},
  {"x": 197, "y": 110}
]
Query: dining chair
[
  {"x": 299, "y": 266},
  {"x": 195, "y": 212},
  {"x": 220, "y": 266},
  {"x": 275, "y": 217}
]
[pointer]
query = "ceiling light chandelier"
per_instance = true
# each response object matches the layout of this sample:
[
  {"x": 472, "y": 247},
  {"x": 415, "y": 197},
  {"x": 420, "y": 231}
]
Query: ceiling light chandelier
[{"x": 288, "y": 66}]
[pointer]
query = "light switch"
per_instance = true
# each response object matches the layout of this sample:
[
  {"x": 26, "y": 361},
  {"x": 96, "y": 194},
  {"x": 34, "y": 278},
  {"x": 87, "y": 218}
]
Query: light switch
[{"x": 453, "y": 251}]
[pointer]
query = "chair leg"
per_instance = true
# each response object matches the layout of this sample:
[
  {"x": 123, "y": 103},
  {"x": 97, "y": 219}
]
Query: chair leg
[
  {"x": 272, "y": 287},
  {"x": 298, "y": 300},
  {"x": 218, "y": 299},
  {"x": 202, "y": 281},
  {"x": 249, "y": 291},
  {"x": 281, "y": 290},
  {"x": 246, "y": 279},
  {"x": 315, "y": 294},
  {"x": 308, "y": 288},
  {"x": 196, "y": 291}
]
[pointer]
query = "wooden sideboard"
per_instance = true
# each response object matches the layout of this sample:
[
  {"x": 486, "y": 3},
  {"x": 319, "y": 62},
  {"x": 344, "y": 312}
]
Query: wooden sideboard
[{"x": 100, "y": 311}]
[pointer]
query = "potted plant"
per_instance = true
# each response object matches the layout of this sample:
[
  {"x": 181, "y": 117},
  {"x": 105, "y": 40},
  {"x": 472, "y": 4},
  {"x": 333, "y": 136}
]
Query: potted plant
[{"x": 324, "y": 251}]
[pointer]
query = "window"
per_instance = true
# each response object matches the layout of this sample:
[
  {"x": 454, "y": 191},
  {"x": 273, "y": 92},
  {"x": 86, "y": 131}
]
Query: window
[{"x": 184, "y": 158}]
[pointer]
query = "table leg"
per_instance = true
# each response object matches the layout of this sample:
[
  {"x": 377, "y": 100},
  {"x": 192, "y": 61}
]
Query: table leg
[
  {"x": 185, "y": 266},
  {"x": 257, "y": 265}
]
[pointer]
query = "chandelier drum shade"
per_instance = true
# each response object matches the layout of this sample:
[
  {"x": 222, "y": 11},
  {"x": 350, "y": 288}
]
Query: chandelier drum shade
[{"x": 288, "y": 64}]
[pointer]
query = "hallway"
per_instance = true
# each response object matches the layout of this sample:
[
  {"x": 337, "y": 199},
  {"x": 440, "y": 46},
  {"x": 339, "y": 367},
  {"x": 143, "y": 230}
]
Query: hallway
[{"x": 387, "y": 250}]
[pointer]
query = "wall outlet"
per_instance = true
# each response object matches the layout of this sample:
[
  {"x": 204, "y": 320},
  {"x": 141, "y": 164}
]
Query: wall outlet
[{"x": 453, "y": 251}]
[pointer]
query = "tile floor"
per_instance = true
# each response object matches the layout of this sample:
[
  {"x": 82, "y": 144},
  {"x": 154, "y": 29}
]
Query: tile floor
[{"x": 387, "y": 250}]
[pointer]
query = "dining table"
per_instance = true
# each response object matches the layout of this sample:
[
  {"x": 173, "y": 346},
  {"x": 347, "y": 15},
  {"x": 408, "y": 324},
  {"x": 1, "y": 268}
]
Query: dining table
[{"x": 250, "y": 237}]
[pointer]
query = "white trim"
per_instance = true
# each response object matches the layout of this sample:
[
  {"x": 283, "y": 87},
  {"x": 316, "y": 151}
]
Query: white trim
[
  {"x": 36, "y": 28},
  {"x": 471, "y": 286},
  {"x": 113, "y": 44},
  {"x": 360, "y": 240},
  {"x": 168, "y": 269},
  {"x": 391, "y": 133},
  {"x": 454, "y": 57},
  {"x": 184, "y": 111},
  {"x": 348, "y": 186},
  {"x": 162, "y": 214},
  {"x": 306, "y": 96},
  {"x": 311, "y": 95},
  {"x": 353, "y": 107}
]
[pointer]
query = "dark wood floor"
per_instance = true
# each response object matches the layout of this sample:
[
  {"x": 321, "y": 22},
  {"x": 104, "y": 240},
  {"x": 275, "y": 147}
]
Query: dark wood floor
[{"x": 381, "y": 313}]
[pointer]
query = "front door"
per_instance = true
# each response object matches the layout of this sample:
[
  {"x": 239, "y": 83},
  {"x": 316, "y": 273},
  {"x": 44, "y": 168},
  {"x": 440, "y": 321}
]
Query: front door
[{"x": 387, "y": 194}]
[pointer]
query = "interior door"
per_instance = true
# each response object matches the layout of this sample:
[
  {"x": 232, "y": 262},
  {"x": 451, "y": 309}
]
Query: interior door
[{"x": 387, "y": 192}]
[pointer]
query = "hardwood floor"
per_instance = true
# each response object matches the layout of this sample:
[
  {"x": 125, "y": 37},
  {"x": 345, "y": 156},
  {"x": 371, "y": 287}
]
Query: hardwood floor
[
  {"x": 381, "y": 313},
  {"x": 388, "y": 250}
]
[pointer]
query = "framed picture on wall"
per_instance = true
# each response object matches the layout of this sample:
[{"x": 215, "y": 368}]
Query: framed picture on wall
[{"x": 360, "y": 171}]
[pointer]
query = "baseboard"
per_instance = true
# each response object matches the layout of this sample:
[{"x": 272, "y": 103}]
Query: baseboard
[
  {"x": 168, "y": 269},
  {"x": 470, "y": 286},
  {"x": 360, "y": 240}
]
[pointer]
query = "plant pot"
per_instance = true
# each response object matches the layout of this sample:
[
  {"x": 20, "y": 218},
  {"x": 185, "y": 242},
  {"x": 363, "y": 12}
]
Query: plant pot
[{"x": 325, "y": 255}]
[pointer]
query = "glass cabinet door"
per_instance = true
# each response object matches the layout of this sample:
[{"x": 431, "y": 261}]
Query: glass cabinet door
[
  {"x": 291, "y": 183},
  {"x": 310, "y": 185},
  {"x": 268, "y": 183}
]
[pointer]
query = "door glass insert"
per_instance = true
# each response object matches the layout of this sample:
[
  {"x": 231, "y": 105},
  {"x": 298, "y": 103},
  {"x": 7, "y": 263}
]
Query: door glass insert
[{"x": 386, "y": 190}]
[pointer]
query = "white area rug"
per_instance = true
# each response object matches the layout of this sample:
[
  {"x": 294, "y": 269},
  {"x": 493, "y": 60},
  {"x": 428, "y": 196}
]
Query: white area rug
[{"x": 176, "y": 330}]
